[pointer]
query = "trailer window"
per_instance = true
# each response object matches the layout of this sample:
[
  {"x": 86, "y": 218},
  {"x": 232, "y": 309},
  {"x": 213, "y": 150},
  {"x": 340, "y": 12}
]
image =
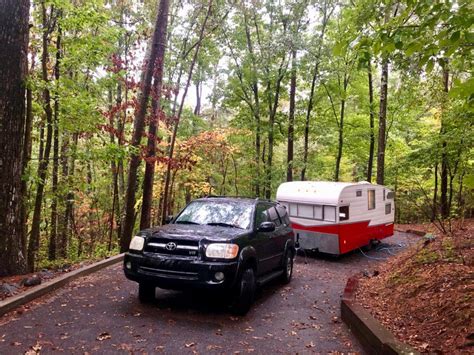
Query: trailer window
[
  {"x": 318, "y": 212},
  {"x": 305, "y": 211},
  {"x": 343, "y": 213},
  {"x": 388, "y": 208},
  {"x": 358, "y": 193},
  {"x": 390, "y": 195},
  {"x": 330, "y": 213},
  {"x": 371, "y": 199},
  {"x": 293, "y": 210}
]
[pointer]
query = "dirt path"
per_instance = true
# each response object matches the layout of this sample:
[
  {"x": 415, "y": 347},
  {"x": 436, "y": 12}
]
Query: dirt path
[{"x": 101, "y": 313}]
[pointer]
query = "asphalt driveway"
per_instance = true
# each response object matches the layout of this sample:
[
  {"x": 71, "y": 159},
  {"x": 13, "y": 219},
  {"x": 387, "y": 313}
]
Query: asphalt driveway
[{"x": 101, "y": 314}]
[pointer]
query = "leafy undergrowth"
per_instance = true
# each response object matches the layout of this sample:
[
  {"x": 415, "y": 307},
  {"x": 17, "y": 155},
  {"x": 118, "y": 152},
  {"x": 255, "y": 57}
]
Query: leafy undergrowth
[{"x": 425, "y": 294}]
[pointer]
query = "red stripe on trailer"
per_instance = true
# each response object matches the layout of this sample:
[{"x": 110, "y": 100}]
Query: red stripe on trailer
[{"x": 351, "y": 235}]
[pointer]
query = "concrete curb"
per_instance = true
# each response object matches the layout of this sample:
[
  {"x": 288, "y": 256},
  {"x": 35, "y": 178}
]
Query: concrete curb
[
  {"x": 38, "y": 291},
  {"x": 373, "y": 336}
]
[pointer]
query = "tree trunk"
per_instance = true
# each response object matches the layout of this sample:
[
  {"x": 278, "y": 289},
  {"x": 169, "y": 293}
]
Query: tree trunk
[
  {"x": 325, "y": 20},
  {"x": 370, "y": 163},
  {"x": 27, "y": 147},
  {"x": 166, "y": 192},
  {"x": 340, "y": 138},
  {"x": 145, "y": 88},
  {"x": 33, "y": 244},
  {"x": 162, "y": 19},
  {"x": 68, "y": 168},
  {"x": 53, "y": 240},
  {"x": 273, "y": 109},
  {"x": 14, "y": 18},
  {"x": 435, "y": 194},
  {"x": 256, "y": 97},
  {"x": 307, "y": 121},
  {"x": 197, "y": 108},
  {"x": 291, "y": 118},
  {"x": 444, "y": 156},
  {"x": 382, "y": 122}
]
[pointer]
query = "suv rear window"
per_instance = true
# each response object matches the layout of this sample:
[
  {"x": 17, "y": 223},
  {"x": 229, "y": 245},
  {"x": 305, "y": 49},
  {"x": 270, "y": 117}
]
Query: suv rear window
[
  {"x": 272, "y": 212},
  {"x": 283, "y": 215}
]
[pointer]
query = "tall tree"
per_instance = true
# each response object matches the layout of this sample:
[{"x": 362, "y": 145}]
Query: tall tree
[
  {"x": 162, "y": 19},
  {"x": 14, "y": 30},
  {"x": 444, "y": 155},
  {"x": 291, "y": 118},
  {"x": 327, "y": 9},
  {"x": 139, "y": 125},
  {"x": 382, "y": 122},
  {"x": 370, "y": 163},
  {"x": 382, "y": 139},
  {"x": 53, "y": 240},
  {"x": 168, "y": 183},
  {"x": 49, "y": 23},
  {"x": 256, "y": 98}
]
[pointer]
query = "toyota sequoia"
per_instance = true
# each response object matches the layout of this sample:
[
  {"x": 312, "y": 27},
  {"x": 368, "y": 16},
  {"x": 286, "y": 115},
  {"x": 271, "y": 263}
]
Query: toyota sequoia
[{"x": 227, "y": 244}]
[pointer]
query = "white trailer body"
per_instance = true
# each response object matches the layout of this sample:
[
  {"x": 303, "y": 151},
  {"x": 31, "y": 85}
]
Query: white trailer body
[{"x": 337, "y": 217}]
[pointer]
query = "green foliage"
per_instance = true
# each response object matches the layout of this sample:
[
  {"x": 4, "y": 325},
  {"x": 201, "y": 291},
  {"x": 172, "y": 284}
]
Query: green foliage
[{"x": 248, "y": 46}]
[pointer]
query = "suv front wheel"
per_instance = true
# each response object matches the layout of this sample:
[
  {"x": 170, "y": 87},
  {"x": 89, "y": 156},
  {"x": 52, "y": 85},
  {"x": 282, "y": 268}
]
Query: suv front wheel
[
  {"x": 245, "y": 292},
  {"x": 287, "y": 267}
]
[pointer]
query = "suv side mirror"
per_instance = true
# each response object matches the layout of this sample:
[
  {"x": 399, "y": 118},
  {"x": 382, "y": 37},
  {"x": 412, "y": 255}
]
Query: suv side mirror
[
  {"x": 168, "y": 219},
  {"x": 266, "y": 227}
]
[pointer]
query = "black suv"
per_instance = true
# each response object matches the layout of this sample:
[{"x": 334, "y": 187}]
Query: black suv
[{"x": 222, "y": 243}]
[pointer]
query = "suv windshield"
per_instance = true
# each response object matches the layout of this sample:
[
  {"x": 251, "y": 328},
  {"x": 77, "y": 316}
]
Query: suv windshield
[{"x": 219, "y": 213}]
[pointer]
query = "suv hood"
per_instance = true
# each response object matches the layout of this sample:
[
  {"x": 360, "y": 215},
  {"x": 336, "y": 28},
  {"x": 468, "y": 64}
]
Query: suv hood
[{"x": 197, "y": 232}]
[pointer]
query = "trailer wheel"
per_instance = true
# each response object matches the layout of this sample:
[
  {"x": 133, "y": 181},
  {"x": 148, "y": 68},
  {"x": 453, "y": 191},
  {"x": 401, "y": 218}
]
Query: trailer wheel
[{"x": 287, "y": 267}]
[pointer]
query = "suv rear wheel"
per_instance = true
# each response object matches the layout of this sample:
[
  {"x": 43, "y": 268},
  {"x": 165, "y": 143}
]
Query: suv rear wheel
[
  {"x": 287, "y": 267},
  {"x": 245, "y": 292},
  {"x": 146, "y": 292}
]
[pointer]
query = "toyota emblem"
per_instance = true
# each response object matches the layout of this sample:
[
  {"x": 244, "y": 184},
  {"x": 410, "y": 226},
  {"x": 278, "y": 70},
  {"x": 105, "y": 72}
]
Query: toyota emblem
[{"x": 170, "y": 246}]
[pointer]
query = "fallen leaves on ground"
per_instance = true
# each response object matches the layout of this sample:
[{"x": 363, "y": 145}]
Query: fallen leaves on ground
[{"x": 424, "y": 294}]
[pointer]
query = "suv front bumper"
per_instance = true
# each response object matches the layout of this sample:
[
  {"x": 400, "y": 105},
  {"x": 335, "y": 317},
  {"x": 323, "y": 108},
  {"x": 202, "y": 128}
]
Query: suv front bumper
[{"x": 179, "y": 273}]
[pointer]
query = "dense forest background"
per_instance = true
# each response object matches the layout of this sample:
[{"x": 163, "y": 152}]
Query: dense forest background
[{"x": 129, "y": 109}]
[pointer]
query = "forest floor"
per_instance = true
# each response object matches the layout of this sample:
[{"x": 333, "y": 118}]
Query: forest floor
[
  {"x": 424, "y": 295},
  {"x": 101, "y": 313}
]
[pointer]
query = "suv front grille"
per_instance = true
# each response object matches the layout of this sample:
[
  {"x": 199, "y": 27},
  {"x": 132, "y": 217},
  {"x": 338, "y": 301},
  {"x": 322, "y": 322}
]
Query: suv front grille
[
  {"x": 172, "y": 247},
  {"x": 171, "y": 274}
]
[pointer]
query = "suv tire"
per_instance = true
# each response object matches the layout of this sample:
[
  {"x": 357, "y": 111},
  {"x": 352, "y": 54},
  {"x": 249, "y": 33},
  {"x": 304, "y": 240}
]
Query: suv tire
[
  {"x": 146, "y": 292},
  {"x": 287, "y": 268},
  {"x": 245, "y": 292}
]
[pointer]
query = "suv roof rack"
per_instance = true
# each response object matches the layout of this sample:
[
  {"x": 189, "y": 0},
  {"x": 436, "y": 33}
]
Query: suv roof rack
[{"x": 246, "y": 197}]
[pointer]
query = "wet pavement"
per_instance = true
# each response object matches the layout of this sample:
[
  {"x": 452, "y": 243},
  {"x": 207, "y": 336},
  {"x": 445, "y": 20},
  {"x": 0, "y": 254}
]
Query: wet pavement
[{"x": 101, "y": 314}]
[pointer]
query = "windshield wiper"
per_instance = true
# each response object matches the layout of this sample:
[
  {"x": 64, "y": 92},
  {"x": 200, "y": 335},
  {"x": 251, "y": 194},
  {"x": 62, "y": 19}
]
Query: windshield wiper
[
  {"x": 222, "y": 224},
  {"x": 186, "y": 222}
]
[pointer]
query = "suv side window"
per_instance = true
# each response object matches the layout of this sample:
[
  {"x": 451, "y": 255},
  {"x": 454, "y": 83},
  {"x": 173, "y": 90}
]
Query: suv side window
[
  {"x": 261, "y": 214},
  {"x": 283, "y": 215},
  {"x": 272, "y": 212}
]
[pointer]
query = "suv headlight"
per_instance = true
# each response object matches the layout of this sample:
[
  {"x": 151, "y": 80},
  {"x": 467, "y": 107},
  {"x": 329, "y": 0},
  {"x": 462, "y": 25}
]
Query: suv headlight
[
  {"x": 137, "y": 243},
  {"x": 222, "y": 250}
]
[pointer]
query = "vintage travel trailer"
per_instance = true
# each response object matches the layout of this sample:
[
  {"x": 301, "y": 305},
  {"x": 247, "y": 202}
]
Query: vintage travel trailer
[{"x": 337, "y": 217}]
